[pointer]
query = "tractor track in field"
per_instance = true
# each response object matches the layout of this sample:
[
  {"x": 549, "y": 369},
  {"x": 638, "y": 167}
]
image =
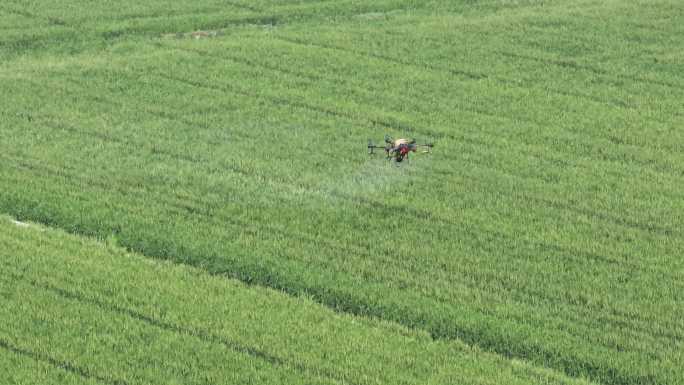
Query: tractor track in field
[
  {"x": 392, "y": 124},
  {"x": 274, "y": 99},
  {"x": 605, "y": 76},
  {"x": 160, "y": 150},
  {"x": 665, "y": 169},
  {"x": 260, "y": 17},
  {"x": 480, "y": 76},
  {"x": 598, "y": 243},
  {"x": 350, "y": 305},
  {"x": 490, "y": 342},
  {"x": 316, "y": 79},
  {"x": 464, "y": 75},
  {"x": 198, "y": 207},
  {"x": 604, "y": 217},
  {"x": 253, "y": 63},
  {"x": 514, "y": 82},
  {"x": 67, "y": 366},
  {"x": 204, "y": 209},
  {"x": 656, "y": 229},
  {"x": 50, "y": 20},
  {"x": 172, "y": 155},
  {"x": 520, "y": 293},
  {"x": 23, "y": 45},
  {"x": 203, "y": 335},
  {"x": 190, "y": 160},
  {"x": 579, "y": 307}
]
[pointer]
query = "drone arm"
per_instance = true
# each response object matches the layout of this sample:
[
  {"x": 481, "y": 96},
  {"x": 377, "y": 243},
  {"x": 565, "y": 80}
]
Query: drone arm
[{"x": 372, "y": 147}]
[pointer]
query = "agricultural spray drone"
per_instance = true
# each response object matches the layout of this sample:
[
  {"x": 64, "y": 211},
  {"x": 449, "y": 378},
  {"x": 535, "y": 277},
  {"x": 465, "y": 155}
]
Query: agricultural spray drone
[{"x": 398, "y": 149}]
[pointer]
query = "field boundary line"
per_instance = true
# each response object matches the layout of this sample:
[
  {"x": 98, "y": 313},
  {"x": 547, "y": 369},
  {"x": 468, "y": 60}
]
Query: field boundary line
[
  {"x": 350, "y": 309},
  {"x": 145, "y": 318},
  {"x": 200, "y": 334},
  {"x": 238, "y": 348}
]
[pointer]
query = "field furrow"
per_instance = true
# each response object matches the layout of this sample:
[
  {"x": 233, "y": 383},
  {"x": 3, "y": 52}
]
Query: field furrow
[
  {"x": 540, "y": 241},
  {"x": 170, "y": 317}
]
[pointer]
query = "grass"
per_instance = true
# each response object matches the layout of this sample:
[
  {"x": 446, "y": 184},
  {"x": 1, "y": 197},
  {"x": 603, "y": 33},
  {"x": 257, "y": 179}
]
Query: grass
[
  {"x": 546, "y": 227},
  {"x": 93, "y": 312}
]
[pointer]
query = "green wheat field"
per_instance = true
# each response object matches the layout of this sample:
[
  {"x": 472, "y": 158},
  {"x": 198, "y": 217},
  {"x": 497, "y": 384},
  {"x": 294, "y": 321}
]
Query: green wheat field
[{"x": 186, "y": 195}]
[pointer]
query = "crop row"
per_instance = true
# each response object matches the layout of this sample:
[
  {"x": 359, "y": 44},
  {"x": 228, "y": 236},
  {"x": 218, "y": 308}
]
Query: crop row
[
  {"x": 65, "y": 28},
  {"x": 117, "y": 318},
  {"x": 164, "y": 149},
  {"x": 180, "y": 118},
  {"x": 423, "y": 117},
  {"x": 214, "y": 260},
  {"x": 640, "y": 166},
  {"x": 545, "y": 228},
  {"x": 163, "y": 246}
]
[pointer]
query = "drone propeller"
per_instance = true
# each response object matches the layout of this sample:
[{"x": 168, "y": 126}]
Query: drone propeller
[
  {"x": 399, "y": 147},
  {"x": 427, "y": 147}
]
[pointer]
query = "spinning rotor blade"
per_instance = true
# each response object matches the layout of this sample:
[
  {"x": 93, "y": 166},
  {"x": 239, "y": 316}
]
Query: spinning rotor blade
[{"x": 428, "y": 147}]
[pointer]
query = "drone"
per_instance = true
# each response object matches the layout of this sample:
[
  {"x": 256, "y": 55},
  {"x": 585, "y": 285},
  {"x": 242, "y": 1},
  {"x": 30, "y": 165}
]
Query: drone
[{"x": 398, "y": 149}]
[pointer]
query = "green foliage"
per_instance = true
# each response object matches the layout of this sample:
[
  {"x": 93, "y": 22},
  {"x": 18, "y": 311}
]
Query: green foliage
[{"x": 546, "y": 227}]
